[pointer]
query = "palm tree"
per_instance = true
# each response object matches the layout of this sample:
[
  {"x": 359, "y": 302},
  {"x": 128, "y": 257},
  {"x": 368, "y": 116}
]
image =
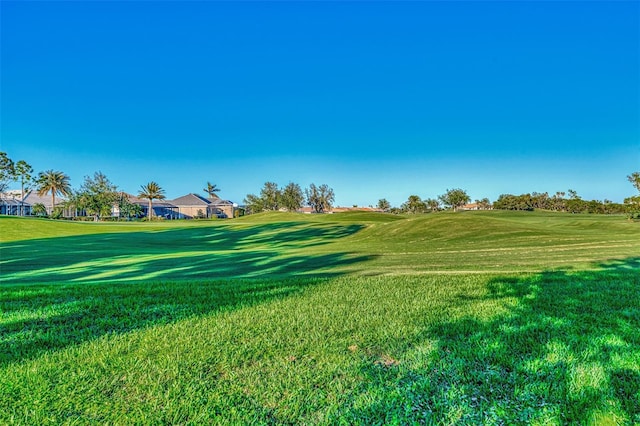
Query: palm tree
[
  {"x": 151, "y": 191},
  {"x": 54, "y": 182},
  {"x": 211, "y": 189}
]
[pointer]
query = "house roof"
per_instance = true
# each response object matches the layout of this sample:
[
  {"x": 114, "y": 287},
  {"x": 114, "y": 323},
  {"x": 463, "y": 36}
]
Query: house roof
[
  {"x": 221, "y": 202},
  {"x": 191, "y": 200},
  {"x": 134, "y": 199},
  {"x": 12, "y": 202},
  {"x": 470, "y": 206},
  {"x": 199, "y": 201},
  {"x": 32, "y": 198},
  {"x": 144, "y": 202}
]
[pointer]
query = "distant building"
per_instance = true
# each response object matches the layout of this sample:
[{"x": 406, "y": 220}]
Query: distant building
[
  {"x": 32, "y": 198},
  {"x": 470, "y": 206},
  {"x": 10, "y": 204},
  {"x": 160, "y": 208},
  {"x": 224, "y": 208},
  {"x": 192, "y": 206},
  {"x": 477, "y": 206},
  {"x": 188, "y": 206}
]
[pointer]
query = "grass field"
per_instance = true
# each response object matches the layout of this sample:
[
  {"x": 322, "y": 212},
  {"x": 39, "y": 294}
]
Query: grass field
[{"x": 466, "y": 318}]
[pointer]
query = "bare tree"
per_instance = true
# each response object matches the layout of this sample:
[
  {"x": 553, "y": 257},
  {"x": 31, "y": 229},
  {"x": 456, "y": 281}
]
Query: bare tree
[{"x": 319, "y": 198}]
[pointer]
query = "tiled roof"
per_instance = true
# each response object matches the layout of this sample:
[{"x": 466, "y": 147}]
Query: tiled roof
[
  {"x": 33, "y": 198},
  {"x": 145, "y": 202},
  {"x": 221, "y": 202},
  {"x": 12, "y": 202},
  {"x": 134, "y": 199},
  {"x": 470, "y": 206},
  {"x": 191, "y": 200},
  {"x": 197, "y": 200}
]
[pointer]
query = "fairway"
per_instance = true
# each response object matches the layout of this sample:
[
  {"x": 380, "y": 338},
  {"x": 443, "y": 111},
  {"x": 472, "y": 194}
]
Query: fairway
[{"x": 488, "y": 317}]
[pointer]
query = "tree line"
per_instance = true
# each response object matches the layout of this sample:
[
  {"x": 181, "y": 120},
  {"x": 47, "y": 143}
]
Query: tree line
[
  {"x": 557, "y": 202},
  {"x": 561, "y": 201},
  {"x": 452, "y": 199},
  {"x": 97, "y": 196},
  {"x": 291, "y": 198},
  {"x": 569, "y": 202}
]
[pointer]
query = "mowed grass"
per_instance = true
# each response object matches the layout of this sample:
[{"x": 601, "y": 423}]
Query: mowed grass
[{"x": 468, "y": 318}]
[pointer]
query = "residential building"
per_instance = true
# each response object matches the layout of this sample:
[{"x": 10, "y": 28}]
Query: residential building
[
  {"x": 160, "y": 208},
  {"x": 188, "y": 206},
  {"x": 10, "y": 204},
  {"x": 192, "y": 206}
]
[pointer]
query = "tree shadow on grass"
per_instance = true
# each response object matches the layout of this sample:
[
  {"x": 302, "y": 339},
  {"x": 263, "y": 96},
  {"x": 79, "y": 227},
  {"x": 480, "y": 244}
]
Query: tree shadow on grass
[
  {"x": 566, "y": 350},
  {"x": 185, "y": 253},
  {"x": 63, "y": 291}
]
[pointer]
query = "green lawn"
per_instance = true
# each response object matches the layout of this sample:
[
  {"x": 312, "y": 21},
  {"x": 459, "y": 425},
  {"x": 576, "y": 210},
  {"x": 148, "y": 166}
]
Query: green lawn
[{"x": 467, "y": 318}]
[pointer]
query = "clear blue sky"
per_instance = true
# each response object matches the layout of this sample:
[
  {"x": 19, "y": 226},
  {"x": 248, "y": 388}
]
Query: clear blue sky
[{"x": 376, "y": 99}]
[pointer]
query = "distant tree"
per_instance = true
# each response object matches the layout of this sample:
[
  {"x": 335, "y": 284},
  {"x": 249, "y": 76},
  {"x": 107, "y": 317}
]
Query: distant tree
[
  {"x": 414, "y": 204},
  {"x": 98, "y": 195},
  {"x": 253, "y": 203},
  {"x": 53, "y": 182},
  {"x": 271, "y": 195},
  {"x": 634, "y": 178},
  {"x": 573, "y": 205},
  {"x": 73, "y": 203},
  {"x": 483, "y": 204},
  {"x": 633, "y": 203},
  {"x": 38, "y": 209},
  {"x": 514, "y": 202},
  {"x": 505, "y": 202},
  {"x": 312, "y": 196},
  {"x": 594, "y": 206},
  {"x": 632, "y": 207},
  {"x": 558, "y": 201},
  {"x": 432, "y": 204},
  {"x": 576, "y": 205},
  {"x": 7, "y": 171},
  {"x": 292, "y": 197},
  {"x": 127, "y": 208},
  {"x": 270, "y": 198},
  {"x": 319, "y": 198},
  {"x": 151, "y": 191},
  {"x": 541, "y": 200},
  {"x": 58, "y": 212},
  {"x": 573, "y": 195},
  {"x": 454, "y": 198},
  {"x": 384, "y": 205},
  {"x": 609, "y": 207},
  {"x": 211, "y": 189},
  {"x": 23, "y": 172}
]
